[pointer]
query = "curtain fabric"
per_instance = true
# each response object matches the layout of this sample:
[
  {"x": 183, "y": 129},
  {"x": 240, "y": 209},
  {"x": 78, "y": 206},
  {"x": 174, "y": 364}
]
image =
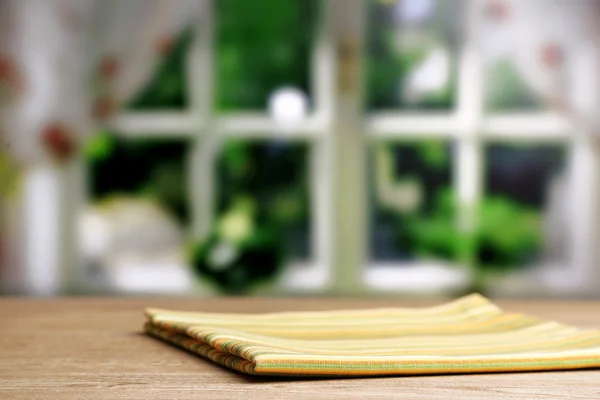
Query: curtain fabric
[
  {"x": 552, "y": 43},
  {"x": 68, "y": 65}
]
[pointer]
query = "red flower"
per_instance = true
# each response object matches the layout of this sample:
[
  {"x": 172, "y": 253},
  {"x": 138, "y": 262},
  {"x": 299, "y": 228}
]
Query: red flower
[
  {"x": 70, "y": 17},
  {"x": 164, "y": 45},
  {"x": 11, "y": 79},
  {"x": 57, "y": 140},
  {"x": 498, "y": 10},
  {"x": 103, "y": 108},
  {"x": 551, "y": 55},
  {"x": 109, "y": 67},
  {"x": 6, "y": 67}
]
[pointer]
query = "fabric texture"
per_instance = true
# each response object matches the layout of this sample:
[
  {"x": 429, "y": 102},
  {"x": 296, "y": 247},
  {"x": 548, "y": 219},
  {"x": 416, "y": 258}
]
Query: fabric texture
[{"x": 468, "y": 335}]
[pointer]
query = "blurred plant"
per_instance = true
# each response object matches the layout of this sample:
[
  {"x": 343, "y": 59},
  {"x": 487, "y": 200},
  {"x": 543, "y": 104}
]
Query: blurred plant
[
  {"x": 509, "y": 232},
  {"x": 434, "y": 154},
  {"x": 275, "y": 176},
  {"x": 261, "y": 46},
  {"x": 263, "y": 199},
  {"x": 507, "y": 235},
  {"x": 239, "y": 253}
]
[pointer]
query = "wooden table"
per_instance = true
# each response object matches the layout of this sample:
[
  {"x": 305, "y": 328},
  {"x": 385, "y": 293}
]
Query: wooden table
[{"x": 93, "y": 348}]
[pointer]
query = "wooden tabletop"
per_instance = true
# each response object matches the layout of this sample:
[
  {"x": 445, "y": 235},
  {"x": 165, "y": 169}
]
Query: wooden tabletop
[{"x": 93, "y": 348}]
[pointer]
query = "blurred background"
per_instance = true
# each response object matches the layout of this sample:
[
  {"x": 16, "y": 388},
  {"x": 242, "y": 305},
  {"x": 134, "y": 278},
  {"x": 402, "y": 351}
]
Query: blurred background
[{"x": 330, "y": 147}]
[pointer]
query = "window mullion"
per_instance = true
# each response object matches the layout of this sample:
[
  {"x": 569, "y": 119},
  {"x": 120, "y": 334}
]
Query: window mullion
[
  {"x": 469, "y": 158},
  {"x": 584, "y": 193},
  {"x": 200, "y": 69},
  {"x": 321, "y": 175},
  {"x": 347, "y": 151}
]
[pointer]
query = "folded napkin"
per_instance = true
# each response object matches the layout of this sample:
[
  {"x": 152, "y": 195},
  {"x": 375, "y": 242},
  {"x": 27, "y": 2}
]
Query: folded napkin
[{"x": 465, "y": 336}]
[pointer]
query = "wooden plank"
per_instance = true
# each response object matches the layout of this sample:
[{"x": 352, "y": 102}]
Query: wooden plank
[{"x": 93, "y": 348}]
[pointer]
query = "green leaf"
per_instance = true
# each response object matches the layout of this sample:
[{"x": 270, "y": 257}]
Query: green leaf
[
  {"x": 434, "y": 153},
  {"x": 99, "y": 147}
]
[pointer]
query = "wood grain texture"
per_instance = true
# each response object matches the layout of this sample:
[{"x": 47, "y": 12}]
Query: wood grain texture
[{"x": 93, "y": 348}]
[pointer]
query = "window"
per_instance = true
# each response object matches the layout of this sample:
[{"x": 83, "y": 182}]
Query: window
[{"x": 405, "y": 158}]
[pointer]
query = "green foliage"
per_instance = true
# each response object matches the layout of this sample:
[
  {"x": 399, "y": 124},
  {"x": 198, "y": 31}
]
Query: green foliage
[
  {"x": 99, "y": 147},
  {"x": 508, "y": 234},
  {"x": 434, "y": 234},
  {"x": 169, "y": 86},
  {"x": 434, "y": 153},
  {"x": 262, "y": 45},
  {"x": 263, "y": 194},
  {"x": 153, "y": 168},
  {"x": 237, "y": 260},
  {"x": 273, "y": 174},
  {"x": 237, "y": 161}
]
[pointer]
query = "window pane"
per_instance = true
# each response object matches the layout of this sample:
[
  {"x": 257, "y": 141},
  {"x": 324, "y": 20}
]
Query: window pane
[
  {"x": 152, "y": 168},
  {"x": 528, "y": 49},
  {"x": 138, "y": 213},
  {"x": 412, "y": 53},
  {"x": 412, "y": 202},
  {"x": 506, "y": 91},
  {"x": 167, "y": 90},
  {"x": 267, "y": 181},
  {"x": 262, "y": 45},
  {"x": 522, "y": 220}
]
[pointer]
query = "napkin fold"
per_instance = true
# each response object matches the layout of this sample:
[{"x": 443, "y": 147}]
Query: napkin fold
[{"x": 468, "y": 335}]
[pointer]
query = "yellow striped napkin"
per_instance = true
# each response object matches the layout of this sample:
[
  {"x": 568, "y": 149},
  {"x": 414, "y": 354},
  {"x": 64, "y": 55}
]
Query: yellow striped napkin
[{"x": 468, "y": 335}]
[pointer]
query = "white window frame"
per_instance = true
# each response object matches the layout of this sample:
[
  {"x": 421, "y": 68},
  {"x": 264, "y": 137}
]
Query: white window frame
[{"x": 338, "y": 133}]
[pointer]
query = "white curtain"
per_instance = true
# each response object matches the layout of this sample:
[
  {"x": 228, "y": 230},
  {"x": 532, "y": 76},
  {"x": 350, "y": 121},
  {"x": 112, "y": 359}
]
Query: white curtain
[
  {"x": 552, "y": 44},
  {"x": 66, "y": 65}
]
